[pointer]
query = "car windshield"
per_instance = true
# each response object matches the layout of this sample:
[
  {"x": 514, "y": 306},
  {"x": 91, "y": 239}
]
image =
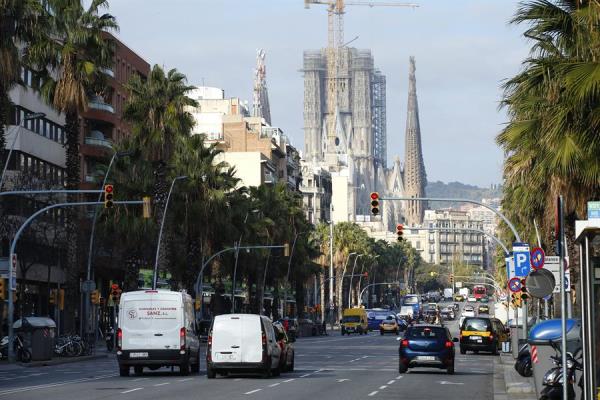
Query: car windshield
[
  {"x": 411, "y": 300},
  {"x": 351, "y": 318},
  {"x": 476, "y": 324},
  {"x": 426, "y": 332}
]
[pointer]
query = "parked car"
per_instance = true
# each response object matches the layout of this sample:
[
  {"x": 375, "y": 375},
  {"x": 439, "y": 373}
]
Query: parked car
[
  {"x": 157, "y": 328},
  {"x": 482, "y": 334},
  {"x": 426, "y": 346},
  {"x": 244, "y": 343},
  {"x": 286, "y": 361}
]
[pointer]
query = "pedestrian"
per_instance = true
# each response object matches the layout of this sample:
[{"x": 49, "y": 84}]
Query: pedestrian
[{"x": 324, "y": 327}]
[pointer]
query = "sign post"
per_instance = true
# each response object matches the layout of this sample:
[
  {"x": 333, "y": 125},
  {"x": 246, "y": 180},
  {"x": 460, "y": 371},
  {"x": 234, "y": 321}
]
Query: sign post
[{"x": 522, "y": 260}]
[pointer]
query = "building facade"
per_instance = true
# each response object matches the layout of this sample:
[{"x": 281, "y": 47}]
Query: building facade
[
  {"x": 445, "y": 243},
  {"x": 102, "y": 124}
]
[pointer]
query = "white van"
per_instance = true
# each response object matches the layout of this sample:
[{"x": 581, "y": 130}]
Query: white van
[
  {"x": 244, "y": 343},
  {"x": 157, "y": 328}
]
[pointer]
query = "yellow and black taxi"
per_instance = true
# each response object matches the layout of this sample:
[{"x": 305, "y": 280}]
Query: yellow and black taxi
[
  {"x": 483, "y": 309},
  {"x": 389, "y": 325},
  {"x": 481, "y": 334}
]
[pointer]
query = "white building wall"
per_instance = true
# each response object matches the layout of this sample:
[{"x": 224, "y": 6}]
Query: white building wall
[{"x": 248, "y": 166}]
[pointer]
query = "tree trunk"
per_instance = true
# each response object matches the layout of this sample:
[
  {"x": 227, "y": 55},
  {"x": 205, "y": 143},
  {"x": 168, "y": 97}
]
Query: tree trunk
[
  {"x": 161, "y": 189},
  {"x": 322, "y": 302},
  {"x": 300, "y": 292}
]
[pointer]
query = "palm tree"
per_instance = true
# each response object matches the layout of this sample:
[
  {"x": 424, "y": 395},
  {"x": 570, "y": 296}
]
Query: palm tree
[
  {"x": 551, "y": 141},
  {"x": 156, "y": 108}
]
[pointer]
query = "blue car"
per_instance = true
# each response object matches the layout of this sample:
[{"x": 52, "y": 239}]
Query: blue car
[{"x": 427, "y": 346}]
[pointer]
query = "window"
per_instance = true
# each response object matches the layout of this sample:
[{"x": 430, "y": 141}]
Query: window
[
  {"x": 426, "y": 332},
  {"x": 418, "y": 245}
]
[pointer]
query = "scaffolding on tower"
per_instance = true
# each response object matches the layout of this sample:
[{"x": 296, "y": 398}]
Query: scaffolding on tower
[{"x": 260, "y": 98}]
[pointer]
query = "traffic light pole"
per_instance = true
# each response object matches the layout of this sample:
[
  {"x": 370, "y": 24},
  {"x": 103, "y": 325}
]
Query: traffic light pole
[
  {"x": 13, "y": 245},
  {"x": 498, "y": 213}
]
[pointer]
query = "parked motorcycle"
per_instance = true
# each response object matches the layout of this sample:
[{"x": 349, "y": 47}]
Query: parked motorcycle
[
  {"x": 22, "y": 353},
  {"x": 553, "y": 379}
]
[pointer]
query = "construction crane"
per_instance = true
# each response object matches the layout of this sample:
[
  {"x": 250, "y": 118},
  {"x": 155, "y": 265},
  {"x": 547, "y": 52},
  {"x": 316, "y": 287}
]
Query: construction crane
[{"x": 335, "y": 39}]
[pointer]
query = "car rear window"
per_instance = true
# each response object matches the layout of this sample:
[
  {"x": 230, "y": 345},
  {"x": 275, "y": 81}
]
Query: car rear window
[
  {"x": 351, "y": 318},
  {"x": 476, "y": 324},
  {"x": 426, "y": 332}
]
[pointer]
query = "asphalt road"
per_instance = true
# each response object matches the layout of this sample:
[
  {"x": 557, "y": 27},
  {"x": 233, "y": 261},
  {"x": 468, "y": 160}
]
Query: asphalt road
[{"x": 332, "y": 367}]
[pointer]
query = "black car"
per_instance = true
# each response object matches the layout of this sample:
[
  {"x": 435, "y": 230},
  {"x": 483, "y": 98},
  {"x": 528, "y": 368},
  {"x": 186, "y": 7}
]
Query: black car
[{"x": 427, "y": 346}]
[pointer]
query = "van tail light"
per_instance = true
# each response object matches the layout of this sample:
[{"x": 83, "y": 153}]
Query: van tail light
[
  {"x": 404, "y": 343},
  {"x": 182, "y": 339},
  {"x": 264, "y": 347},
  {"x": 449, "y": 344},
  {"x": 119, "y": 339},
  {"x": 491, "y": 337},
  {"x": 264, "y": 339},
  {"x": 209, "y": 341}
]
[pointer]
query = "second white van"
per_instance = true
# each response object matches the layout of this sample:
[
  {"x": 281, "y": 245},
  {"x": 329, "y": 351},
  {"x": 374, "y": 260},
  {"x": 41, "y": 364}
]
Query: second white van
[{"x": 242, "y": 343}]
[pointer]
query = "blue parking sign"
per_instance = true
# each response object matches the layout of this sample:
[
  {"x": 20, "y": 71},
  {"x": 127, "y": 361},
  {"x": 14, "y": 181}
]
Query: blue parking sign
[{"x": 522, "y": 259}]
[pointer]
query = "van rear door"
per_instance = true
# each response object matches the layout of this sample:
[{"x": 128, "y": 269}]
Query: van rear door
[
  {"x": 252, "y": 339},
  {"x": 151, "y": 322},
  {"x": 227, "y": 339}
]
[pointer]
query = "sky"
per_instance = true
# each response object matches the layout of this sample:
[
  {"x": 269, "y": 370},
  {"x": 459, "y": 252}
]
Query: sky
[{"x": 464, "y": 50}]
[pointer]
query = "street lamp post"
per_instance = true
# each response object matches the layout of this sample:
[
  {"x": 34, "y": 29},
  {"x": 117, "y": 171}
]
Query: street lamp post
[
  {"x": 162, "y": 224},
  {"x": 287, "y": 277},
  {"x": 331, "y": 305},
  {"x": 237, "y": 254},
  {"x": 351, "y": 280},
  {"x": 18, "y": 128}
]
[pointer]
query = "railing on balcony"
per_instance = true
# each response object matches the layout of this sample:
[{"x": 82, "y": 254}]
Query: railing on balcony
[
  {"x": 99, "y": 105},
  {"x": 98, "y": 142}
]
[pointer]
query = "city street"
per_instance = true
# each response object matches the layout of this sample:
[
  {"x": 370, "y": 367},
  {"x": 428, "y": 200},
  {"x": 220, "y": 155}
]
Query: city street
[{"x": 332, "y": 367}]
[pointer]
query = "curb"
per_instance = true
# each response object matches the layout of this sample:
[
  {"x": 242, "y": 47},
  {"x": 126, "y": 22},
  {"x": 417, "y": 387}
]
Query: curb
[
  {"x": 499, "y": 384},
  {"x": 59, "y": 361}
]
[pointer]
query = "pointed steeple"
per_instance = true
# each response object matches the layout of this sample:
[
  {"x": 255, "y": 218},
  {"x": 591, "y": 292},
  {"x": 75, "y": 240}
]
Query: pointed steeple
[{"x": 415, "y": 178}]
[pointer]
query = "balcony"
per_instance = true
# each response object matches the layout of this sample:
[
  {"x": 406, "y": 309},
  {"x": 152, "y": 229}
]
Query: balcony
[
  {"x": 93, "y": 141},
  {"x": 97, "y": 104},
  {"x": 108, "y": 72}
]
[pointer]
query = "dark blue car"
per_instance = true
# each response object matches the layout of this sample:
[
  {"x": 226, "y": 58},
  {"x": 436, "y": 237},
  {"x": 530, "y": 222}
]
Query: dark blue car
[{"x": 427, "y": 346}]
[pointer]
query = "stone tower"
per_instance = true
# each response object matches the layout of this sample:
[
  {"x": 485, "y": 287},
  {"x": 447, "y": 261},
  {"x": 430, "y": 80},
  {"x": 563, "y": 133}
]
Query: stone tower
[{"x": 415, "y": 178}]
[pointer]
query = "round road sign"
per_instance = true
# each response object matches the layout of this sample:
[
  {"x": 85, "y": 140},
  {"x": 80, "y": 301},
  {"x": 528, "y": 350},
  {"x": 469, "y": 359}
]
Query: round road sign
[
  {"x": 514, "y": 285},
  {"x": 537, "y": 258}
]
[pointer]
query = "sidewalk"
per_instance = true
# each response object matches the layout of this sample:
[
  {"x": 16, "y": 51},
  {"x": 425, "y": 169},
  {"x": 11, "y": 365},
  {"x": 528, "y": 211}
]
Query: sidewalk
[
  {"x": 508, "y": 384},
  {"x": 101, "y": 352}
]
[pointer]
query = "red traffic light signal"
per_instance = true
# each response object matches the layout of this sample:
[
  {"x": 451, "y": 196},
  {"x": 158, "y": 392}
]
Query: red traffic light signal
[
  {"x": 366, "y": 274},
  {"x": 108, "y": 196},
  {"x": 399, "y": 231},
  {"x": 374, "y": 203}
]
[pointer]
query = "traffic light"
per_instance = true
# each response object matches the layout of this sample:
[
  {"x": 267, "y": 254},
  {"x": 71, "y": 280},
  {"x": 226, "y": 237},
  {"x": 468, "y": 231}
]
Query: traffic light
[
  {"x": 515, "y": 299},
  {"x": 286, "y": 250},
  {"x": 147, "y": 207},
  {"x": 61, "y": 299},
  {"x": 52, "y": 298},
  {"x": 366, "y": 274},
  {"x": 400, "y": 231},
  {"x": 108, "y": 196},
  {"x": 197, "y": 303},
  {"x": 524, "y": 292},
  {"x": 3, "y": 289},
  {"x": 95, "y": 296},
  {"x": 115, "y": 293},
  {"x": 452, "y": 279},
  {"x": 374, "y": 203}
]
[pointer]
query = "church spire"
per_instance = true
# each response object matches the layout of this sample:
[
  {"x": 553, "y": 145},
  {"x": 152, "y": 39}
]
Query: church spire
[{"x": 415, "y": 178}]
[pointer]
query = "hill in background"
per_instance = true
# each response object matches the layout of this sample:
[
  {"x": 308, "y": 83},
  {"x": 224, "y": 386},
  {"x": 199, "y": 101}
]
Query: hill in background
[{"x": 459, "y": 190}]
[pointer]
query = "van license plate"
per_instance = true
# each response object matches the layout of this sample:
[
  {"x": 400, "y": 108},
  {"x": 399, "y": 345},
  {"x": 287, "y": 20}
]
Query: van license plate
[
  {"x": 138, "y": 355},
  {"x": 426, "y": 358}
]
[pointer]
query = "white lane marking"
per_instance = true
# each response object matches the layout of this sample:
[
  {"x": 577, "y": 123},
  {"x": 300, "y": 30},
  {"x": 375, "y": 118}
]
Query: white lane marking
[
  {"x": 275, "y": 384},
  {"x": 364, "y": 356},
  {"x": 38, "y": 374},
  {"x": 237, "y": 379},
  {"x": 373, "y": 393},
  {"x": 131, "y": 390},
  {"x": 138, "y": 379},
  {"x": 49, "y": 385},
  {"x": 184, "y": 380},
  {"x": 289, "y": 380},
  {"x": 162, "y": 384},
  {"x": 253, "y": 391},
  {"x": 311, "y": 373},
  {"x": 342, "y": 380},
  {"x": 399, "y": 377},
  {"x": 390, "y": 382},
  {"x": 382, "y": 387},
  {"x": 450, "y": 383}
]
